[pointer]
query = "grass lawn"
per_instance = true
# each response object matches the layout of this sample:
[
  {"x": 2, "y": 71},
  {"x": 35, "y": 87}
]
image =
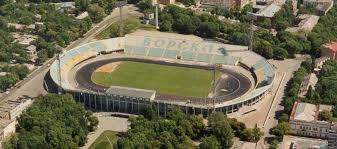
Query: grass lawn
[
  {"x": 131, "y": 24},
  {"x": 164, "y": 79},
  {"x": 102, "y": 141}
]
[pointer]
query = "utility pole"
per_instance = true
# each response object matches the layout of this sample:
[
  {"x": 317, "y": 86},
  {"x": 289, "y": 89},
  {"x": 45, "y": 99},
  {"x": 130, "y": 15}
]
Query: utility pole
[
  {"x": 60, "y": 73},
  {"x": 121, "y": 25},
  {"x": 157, "y": 24}
]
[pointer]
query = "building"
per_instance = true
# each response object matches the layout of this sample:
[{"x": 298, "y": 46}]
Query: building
[
  {"x": 65, "y": 6},
  {"x": 304, "y": 120},
  {"x": 31, "y": 51},
  {"x": 16, "y": 26},
  {"x": 3, "y": 74},
  {"x": 322, "y": 6},
  {"x": 9, "y": 111},
  {"x": 268, "y": 11},
  {"x": 298, "y": 142},
  {"x": 12, "y": 108},
  {"x": 82, "y": 15},
  {"x": 309, "y": 80},
  {"x": 7, "y": 127},
  {"x": 224, "y": 3},
  {"x": 166, "y": 2},
  {"x": 308, "y": 22},
  {"x": 329, "y": 50},
  {"x": 23, "y": 39},
  {"x": 319, "y": 64}
]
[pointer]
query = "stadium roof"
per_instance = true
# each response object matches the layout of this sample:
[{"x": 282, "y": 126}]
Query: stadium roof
[{"x": 132, "y": 92}]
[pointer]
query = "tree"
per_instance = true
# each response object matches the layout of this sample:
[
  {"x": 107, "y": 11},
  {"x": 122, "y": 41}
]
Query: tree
[
  {"x": 221, "y": 129},
  {"x": 325, "y": 115},
  {"x": 210, "y": 142},
  {"x": 54, "y": 121},
  {"x": 82, "y": 5},
  {"x": 284, "y": 117},
  {"x": 208, "y": 30},
  {"x": 280, "y": 53},
  {"x": 96, "y": 12},
  {"x": 145, "y": 5},
  {"x": 237, "y": 126},
  {"x": 252, "y": 135},
  {"x": 281, "y": 129},
  {"x": 274, "y": 144},
  {"x": 257, "y": 134},
  {"x": 165, "y": 26},
  {"x": 187, "y": 2},
  {"x": 42, "y": 57}
]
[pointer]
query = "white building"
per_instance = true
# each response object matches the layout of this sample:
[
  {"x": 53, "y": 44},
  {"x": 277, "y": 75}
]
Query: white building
[
  {"x": 304, "y": 121},
  {"x": 7, "y": 127},
  {"x": 13, "y": 108}
]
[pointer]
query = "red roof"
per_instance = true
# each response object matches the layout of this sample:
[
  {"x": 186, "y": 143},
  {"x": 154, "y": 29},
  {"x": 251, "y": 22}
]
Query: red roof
[{"x": 331, "y": 45}]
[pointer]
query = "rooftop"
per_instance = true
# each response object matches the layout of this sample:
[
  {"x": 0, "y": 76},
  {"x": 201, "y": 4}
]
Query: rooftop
[
  {"x": 307, "y": 112},
  {"x": 4, "y": 123},
  {"x": 133, "y": 92},
  {"x": 331, "y": 45},
  {"x": 269, "y": 11},
  {"x": 304, "y": 112},
  {"x": 31, "y": 48}
]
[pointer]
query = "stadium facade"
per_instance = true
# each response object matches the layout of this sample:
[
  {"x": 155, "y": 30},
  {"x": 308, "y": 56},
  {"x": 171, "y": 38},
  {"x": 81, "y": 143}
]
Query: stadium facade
[{"x": 166, "y": 47}]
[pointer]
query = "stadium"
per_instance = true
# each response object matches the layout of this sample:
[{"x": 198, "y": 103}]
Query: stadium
[{"x": 163, "y": 70}]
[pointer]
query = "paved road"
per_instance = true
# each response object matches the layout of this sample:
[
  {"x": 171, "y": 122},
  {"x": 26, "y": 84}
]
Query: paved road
[
  {"x": 32, "y": 85},
  {"x": 288, "y": 67}
]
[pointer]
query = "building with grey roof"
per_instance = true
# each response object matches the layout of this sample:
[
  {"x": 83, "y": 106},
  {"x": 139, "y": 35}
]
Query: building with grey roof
[
  {"x": 304, "y": 121},
  {"x": 268, "y": 11},
  {"x": 319, "y": 63},
  {"x": 308, "y": 22}
]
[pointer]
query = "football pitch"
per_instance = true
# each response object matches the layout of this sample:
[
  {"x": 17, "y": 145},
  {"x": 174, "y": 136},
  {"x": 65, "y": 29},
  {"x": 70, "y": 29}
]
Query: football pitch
[{"x": 171, "y": 80}]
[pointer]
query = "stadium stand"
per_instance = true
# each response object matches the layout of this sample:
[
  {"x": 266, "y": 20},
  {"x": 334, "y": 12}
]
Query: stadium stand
[
  {"x": 156, "y": 52},
  {"x": 170, "y": 54},
  {"x": 148, "y": 47}
]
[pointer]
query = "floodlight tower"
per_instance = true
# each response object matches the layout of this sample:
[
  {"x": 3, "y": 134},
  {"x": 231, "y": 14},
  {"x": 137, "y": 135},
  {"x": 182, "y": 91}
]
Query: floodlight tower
[
  {"x": 120, "y": 4},
  {"x": 60, "y": 74},
  {"x": 157, "y": 24},
  {"x": 251, "y": 30}
]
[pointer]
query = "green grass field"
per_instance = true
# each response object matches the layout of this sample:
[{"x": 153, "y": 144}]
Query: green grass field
[
  {"x": 102, "y": 141},
  {"x": 164, "y": 79},
  {"x": 131, "y": 24}
]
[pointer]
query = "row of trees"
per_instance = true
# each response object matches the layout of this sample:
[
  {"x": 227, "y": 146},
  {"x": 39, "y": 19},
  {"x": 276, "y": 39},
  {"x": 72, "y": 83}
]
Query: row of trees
[
  {"x": 53, "y": 121},
  {"x": 284, "y": 45},
  {"x": 291, "y": 95},
  {"x": 293, "y": 86},
  {"x": 325, "y": 89},
  {"x": 325, "y": 30},
  {"x": 179, "y": 131}
]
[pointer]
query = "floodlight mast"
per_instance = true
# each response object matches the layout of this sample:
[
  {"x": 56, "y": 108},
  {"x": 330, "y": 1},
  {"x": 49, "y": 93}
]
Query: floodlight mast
[
  {"x": 157, "y": 24},
  {"x": 60, "y": 74},
  {"x": 251, "y": 30},
  {"x": 120, "y": 4}
]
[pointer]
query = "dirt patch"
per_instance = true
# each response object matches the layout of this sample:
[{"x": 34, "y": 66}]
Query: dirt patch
[{"x": 108, "y": 68}]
